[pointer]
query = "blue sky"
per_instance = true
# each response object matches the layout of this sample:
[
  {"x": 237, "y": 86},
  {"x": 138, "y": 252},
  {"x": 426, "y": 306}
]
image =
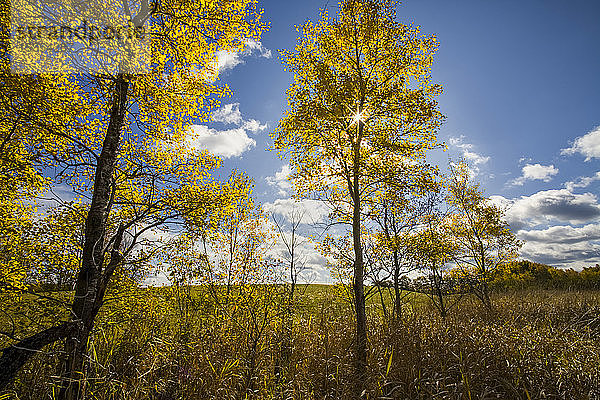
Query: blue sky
[{"x": 521, "y": 95}]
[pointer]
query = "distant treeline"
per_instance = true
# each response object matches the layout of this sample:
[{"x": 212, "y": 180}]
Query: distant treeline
[
  {"x": 527, "y": 274},
  {"x": 521, "y": 274}
]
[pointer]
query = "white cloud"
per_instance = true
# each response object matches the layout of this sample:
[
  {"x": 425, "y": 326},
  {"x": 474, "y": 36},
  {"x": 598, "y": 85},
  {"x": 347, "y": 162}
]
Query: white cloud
[
  {"x": 474, "y": 159},
  {"x": 524, "y": 159},
  {"x": 577, "y": 255},
  {"x": 281, "y": 180},
  {"x": 587, "y": 145},
  {"x": 254, "y": 46},
  {"x": 254, "y": 126},
  {"x": 310, "y": 261},
  {"x": 225, "y": 143},
  {"x": 228, "y": 114},
  {"x": 501, "y": 201},
  {"x": 535, "y": 172},
  {"x": 563, "y": 245},
  {"x": 582, "y": 182},
  {"x": 550, "y": 205},
  {"x": 539, "y": 172},
  {"x": 563, "y": 234},
  {"x": 313, "y": 211},
  {"x": 228, "y": 143},
  {"x": 226, "y": 60},
  {"x": 571, "y": 246}
]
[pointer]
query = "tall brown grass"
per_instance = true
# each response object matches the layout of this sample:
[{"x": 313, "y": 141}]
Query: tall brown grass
[{"x": 533, "y": 345}]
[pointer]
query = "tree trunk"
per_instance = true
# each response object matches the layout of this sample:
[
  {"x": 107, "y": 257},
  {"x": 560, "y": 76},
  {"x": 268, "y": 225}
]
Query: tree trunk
[
  {"x": 442, "y": 307},
  {"x": 14, "y": 357},
  {"x": 437, "y": 281},
  {"x": 485, "y": 293},
  {"x": 382, "y": 301},
  {"x": 485, "y": 290},
  {"x": 252, "y": 355},
  {"x": 293, "y": 275},
  {"x": 397, "y": 294},
  {"x": 91, "y": 284},
  {"x": 360, "y": 366}
]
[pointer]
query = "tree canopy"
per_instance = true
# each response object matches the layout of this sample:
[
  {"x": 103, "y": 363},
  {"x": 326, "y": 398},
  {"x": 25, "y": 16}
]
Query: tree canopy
[
  {"x": 118, "y": 135},
  {"x": 362, "y": 113}
]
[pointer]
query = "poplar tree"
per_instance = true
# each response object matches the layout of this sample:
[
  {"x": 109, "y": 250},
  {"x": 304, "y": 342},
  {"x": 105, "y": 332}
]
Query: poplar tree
[
  {"x": 112, "y": 120},
  {"x": 479, "y": 231},
  {"x": 362, "y": 113}
]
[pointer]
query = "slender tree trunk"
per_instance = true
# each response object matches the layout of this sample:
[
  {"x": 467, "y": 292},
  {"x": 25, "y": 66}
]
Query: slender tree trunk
[
  {"x": 287, "y": 344},
  {"x": 485, "y": 290},
  {"x": 252, "y": 355},
  {"x": 14, "y": 357},
  {"x": 440, "y": 296},
  {"x": 382, "y": 301},
  {"x": 293, "y": 275},
  {"x": 397, "y": 293},
  {"x": 285, "y": 351},
  {"x": 360, "y": 367},
  {"x": 485, "y": 293},
  {"x": 91, "y": 283},
  {"x": 437, "y": 280}
]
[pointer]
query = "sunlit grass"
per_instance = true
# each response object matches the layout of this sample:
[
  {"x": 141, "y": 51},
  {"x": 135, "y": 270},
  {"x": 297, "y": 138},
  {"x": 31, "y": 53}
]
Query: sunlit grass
[{"x": 534, "y": 343}]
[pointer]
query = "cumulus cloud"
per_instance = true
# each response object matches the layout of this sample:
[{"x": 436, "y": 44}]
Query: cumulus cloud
[
  {"x": 559, "y": 245},
  {"x": 228, "y": 114},
  {"x": 501, "y": 201},
  {"x": 563, "y": 234},
  {"x": 474, "y": 159},
  {"x": 539, "y": 172},
  {"x": 550, "y": 205},
  {"x": 571, "y": 255},
  {"x": 582, "y": 181},
  {"x": 310, "y": 263},
  {"x": 226, "y": 60},
  {"x": 313, "y": 211},
  {"x": 532, "y": 217},
  {"x": 226, "y": 144},
  {"x": 253, "y": 46},
  {"x": 281, "y": 180},
  {"x": 535, "y": 172},
  {"x": 587, "y": 145},
  {"x": 254, "y": 126},
  {"x": 563, "y": 245}
]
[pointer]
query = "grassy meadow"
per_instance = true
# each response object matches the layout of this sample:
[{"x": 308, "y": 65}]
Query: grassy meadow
[{"x": 171, "y": 343}]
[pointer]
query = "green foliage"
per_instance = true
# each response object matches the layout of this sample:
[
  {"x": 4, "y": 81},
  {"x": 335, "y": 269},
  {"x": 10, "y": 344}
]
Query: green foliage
[
  {"x": 481, "y": 237},
  {"x": 525, "y": 274},
  {"x": 362, "y": 115},
  {"x": 362, "y": 105}
]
